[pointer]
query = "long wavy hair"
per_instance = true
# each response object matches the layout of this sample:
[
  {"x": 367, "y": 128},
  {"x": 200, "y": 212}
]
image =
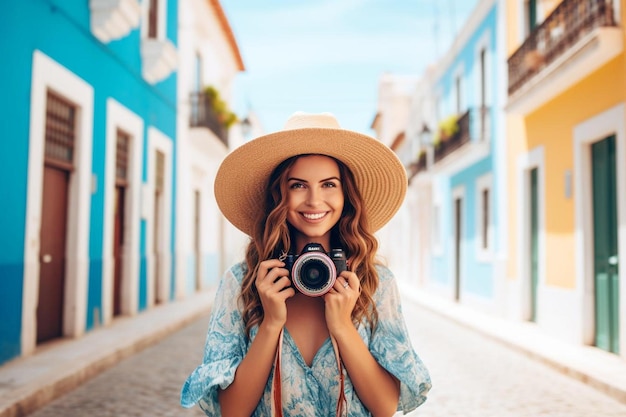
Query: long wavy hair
[{"x": 272, "y": 236}]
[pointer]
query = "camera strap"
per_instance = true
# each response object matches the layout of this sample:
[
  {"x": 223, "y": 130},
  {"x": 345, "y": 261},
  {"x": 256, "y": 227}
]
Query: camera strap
[{"x": 276, "y": 393}]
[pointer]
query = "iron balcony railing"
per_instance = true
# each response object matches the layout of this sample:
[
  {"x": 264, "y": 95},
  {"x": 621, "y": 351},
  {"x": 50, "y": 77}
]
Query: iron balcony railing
[
  {"x": 203, "y": 115},
  {"x": 561, "y": 30}
]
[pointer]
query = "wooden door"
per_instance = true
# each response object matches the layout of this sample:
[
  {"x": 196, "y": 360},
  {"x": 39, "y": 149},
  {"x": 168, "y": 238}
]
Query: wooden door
[
  {"x": 119, "y": 221},
  {"x": 53, "y": 239},
  {"x": 458, "y": 205},
  {"x": 605, "y": 245},
  {"x": 533, "y": 200},
  {"x": 118, "y": 248},
  {"x": 60, "y": 135},
  {"x": 159, "y": 189}
]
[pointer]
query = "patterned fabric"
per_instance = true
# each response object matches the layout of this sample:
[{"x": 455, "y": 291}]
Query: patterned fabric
[{"x": 306, "y": 391}]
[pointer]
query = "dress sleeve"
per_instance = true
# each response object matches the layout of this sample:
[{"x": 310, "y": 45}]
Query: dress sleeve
[
  {"x": 224, "y": 348},
  {"x": 391, "y": 346}
]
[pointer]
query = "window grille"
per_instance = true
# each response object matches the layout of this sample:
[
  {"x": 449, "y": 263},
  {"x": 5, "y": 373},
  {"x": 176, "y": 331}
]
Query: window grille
[
  {"x": 121, "y": 157},
  {"x": 160, "y": 172},
  {"x": 60, "y": 129}
]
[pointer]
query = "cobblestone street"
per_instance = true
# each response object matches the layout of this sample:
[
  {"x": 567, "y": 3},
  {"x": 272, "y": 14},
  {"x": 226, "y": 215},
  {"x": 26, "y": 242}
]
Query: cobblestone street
[{"x": 473, "y": 376}]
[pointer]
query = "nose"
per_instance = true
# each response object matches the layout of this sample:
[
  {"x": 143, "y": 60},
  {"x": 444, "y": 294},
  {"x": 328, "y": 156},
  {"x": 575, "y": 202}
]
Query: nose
[{"x": 314, "y": 196}]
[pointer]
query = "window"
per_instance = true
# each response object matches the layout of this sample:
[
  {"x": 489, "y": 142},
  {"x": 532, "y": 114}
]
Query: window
[
  {"x": 531, "y": 15},
  {"x": 484, "y": 214},
  {"x": 153, "y": 19},
  {"x": 436, "y": 230},
  {"x": 121, "y": 156},
  {"x": 485, "y": 220},
  {"x": 458, "y": 84},
  {"x": 197, "y": 82},
  {"x": 60, "y": 129}
]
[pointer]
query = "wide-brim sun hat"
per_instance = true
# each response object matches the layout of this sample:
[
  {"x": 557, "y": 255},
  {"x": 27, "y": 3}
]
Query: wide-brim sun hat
[{"x": 241, "y": 180}]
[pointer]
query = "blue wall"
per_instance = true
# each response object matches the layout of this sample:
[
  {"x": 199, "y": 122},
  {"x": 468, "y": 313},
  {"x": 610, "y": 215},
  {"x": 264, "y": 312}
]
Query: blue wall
[
  {"x": 61, "y": 30},
  {"x": 477, "y": 275}
]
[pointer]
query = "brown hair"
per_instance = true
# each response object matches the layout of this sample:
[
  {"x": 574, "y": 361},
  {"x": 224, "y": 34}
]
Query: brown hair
[{"x": 272, "y": 236}]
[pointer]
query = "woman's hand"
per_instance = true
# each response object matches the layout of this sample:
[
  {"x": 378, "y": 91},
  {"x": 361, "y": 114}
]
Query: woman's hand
[
  {"x": 340, "y": 302},
  {"x": 273, "y": 286}
]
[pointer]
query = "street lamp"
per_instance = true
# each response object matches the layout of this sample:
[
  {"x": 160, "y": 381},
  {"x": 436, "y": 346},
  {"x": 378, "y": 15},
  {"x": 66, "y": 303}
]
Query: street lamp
[
  {"x": 425, "y": 136},
  {"x": 246, "y": 126}
]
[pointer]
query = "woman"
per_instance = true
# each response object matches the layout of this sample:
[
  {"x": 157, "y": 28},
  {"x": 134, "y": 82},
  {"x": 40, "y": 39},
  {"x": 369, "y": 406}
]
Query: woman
[{"x": 277, "y": 347}]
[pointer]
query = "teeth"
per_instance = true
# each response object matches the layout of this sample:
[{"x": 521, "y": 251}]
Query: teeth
[{"x": 313, "y": 216}]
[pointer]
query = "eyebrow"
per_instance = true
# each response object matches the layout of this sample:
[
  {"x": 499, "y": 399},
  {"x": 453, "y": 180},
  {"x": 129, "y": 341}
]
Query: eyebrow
[{"x": 324, "y": 180}]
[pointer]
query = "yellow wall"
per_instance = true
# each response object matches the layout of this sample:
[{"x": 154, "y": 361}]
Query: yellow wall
[{"x": 551, "y": 126}]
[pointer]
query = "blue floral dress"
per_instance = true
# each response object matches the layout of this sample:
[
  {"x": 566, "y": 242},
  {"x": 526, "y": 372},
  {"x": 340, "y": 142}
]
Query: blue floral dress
[{"x": 306, "y": 390}]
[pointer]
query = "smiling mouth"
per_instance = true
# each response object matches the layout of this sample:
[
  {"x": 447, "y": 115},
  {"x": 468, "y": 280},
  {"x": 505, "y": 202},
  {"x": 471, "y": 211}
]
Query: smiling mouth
[{"x": 314, "y": 216}]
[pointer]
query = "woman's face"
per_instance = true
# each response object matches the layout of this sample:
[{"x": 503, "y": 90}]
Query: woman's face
[{"x": 314, "y": 199}]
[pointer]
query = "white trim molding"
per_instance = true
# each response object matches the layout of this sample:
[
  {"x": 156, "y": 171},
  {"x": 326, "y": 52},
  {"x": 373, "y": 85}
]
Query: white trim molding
[
  {"x": 534, "y": 158},
  {"x": 48, "y": 75},
  {"x": 121, "y": 118},
  {"x": 458, "y": 193},
  {"x": 610, "y": 122},
  {"x": 484, "y": 254},
  {"x": 159, "y": 291}
]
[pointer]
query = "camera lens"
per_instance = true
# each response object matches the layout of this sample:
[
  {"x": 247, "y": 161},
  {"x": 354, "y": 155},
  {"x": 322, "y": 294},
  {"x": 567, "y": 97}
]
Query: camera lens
[{"x": 314, "y": 274}]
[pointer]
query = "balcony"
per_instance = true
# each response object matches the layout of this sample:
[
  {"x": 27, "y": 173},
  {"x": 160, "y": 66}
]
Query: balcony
[
  {"x": 448, "y": 145},
  {"x": 113, "y": 19},
  {"x": 203, "y": 115},
  {"x": 577, "y": 38},
  {"x": 159, "y": 59},
  {"x": 468, "y": 145}
]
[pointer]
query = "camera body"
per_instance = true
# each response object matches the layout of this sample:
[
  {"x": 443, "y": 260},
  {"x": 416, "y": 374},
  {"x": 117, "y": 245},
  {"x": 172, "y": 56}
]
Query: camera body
[{"x": 314, "y": 271}]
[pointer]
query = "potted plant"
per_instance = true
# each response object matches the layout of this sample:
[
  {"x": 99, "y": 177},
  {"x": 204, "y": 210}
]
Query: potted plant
[
  {"x": 447, "y": 128},
  {"x": 224, "y": 115}
]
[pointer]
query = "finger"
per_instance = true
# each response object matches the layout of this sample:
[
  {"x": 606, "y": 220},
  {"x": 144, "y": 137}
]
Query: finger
[
  {"x": 341, "y": 285},
  {"x": 281, "y": 283},
  {"x": 266, "y": 267},
  {"x": 351, "y": 279}
]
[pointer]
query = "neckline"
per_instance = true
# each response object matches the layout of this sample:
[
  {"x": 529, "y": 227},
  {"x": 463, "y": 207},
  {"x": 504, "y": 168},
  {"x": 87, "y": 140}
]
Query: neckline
[{"x": 294, "y": 348}]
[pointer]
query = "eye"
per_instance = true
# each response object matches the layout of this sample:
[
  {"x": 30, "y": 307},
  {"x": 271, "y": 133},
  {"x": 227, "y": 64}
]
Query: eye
[
  {"x": 330, "y": 184},
  {"x": 296, "y": 185}
]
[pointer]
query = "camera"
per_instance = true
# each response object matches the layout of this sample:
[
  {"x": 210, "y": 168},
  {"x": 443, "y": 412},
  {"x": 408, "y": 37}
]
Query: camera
[{"x": 314, "y": 271}]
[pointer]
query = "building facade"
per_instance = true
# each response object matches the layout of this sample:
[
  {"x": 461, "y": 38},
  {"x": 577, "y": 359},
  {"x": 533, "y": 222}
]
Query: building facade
[
  {"x": 566, "y": 124},
  {"x": 209, "y": 62},
  {"x": 91, "y": 165},
  {"x": 457, "y": 188}
]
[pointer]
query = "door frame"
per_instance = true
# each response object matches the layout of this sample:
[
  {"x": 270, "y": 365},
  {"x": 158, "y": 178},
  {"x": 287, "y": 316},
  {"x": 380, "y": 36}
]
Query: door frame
[
  {"x": 608, "y": 123},
  {"x": 158, "y": 141},
  {"x": 120, "y": 117},
  {"x": 526, "y": 162},
  {"x": 458, "y": 193},
  {"x": 47, "y": 74}
]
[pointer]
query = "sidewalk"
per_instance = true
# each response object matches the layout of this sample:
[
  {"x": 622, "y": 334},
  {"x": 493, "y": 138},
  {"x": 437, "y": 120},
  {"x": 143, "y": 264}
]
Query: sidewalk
[
  {"x": 28, "y": 383},
  {"x": 602, "y": 370}
]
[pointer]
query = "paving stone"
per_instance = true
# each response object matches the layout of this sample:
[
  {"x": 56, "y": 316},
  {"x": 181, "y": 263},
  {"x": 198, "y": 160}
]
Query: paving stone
[{"x": 473, "y": 376}]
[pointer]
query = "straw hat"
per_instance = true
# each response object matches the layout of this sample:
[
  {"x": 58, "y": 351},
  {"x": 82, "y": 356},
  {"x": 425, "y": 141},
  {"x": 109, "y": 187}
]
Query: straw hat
[{"x": 243, "y": 176}]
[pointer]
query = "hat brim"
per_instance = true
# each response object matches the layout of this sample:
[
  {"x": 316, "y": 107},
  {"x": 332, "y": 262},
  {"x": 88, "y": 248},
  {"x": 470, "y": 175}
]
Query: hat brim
[{"x": 242, "y": 178}]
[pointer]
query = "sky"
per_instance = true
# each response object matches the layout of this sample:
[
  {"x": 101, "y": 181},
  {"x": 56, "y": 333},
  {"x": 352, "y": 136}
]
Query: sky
[{"x": 328, "y": 55}]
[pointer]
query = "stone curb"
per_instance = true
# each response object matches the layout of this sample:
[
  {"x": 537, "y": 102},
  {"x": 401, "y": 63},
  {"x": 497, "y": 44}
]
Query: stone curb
[
  {"x": 29, "y": 383},
  {"x": 601, "y": 370}
]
